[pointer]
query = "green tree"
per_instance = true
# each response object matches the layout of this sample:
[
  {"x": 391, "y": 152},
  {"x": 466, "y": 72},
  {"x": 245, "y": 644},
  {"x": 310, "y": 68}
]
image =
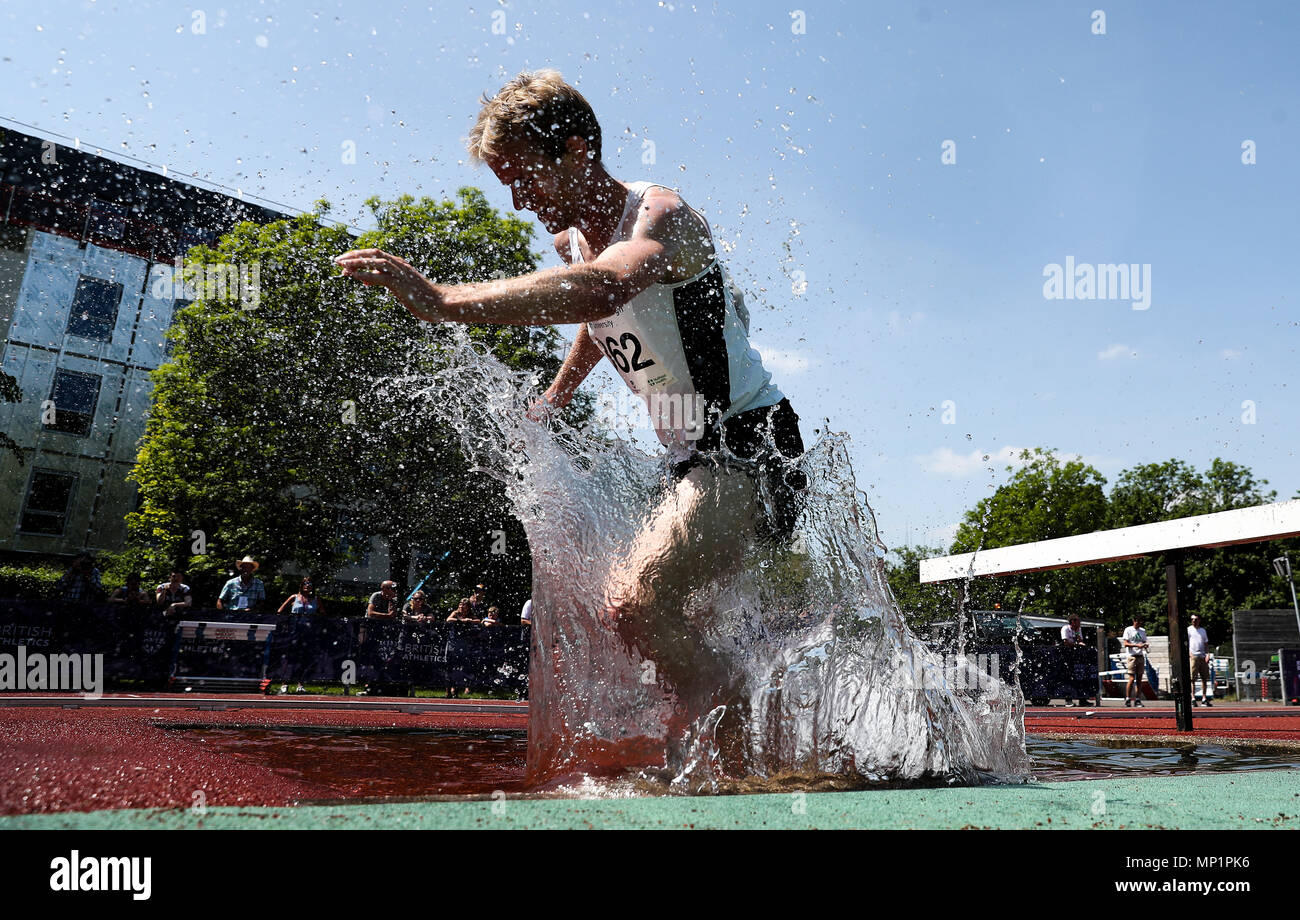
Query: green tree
[
  {"x": 1046, "y": 498},
  {"x": 1216, "y": 581},
  {"x": 921, "y": 604},
  {"x": 274, "y": 429}
]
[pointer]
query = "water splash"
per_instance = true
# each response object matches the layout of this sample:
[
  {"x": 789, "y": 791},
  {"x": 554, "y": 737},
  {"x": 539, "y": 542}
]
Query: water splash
[{"x": 805, "y": 664}]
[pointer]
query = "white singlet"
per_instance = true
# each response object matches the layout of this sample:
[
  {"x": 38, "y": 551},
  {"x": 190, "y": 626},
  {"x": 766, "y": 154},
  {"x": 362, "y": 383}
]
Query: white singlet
[{"x": 683, "y": 347}]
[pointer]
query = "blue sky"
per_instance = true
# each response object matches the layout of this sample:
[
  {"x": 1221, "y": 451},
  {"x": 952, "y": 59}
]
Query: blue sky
[{"x": 811, "y": 135}]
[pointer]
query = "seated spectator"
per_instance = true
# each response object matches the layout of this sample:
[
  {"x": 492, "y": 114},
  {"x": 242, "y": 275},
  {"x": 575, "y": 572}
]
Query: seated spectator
[
  {"x": 304, "y": 602},
  {"x": 417, "y": 608},
  {"x": 131, "y": 593},
  {"x": 526, "y": 617},
  {"x": 174, "y": 594},
  {"x": 384, "y": 604},
  {"x": 493, "y": 617},
  {"x": 462, "y": 613},
  {"x": 80, "y": 583},
  {"x": 243, "y": 592}
]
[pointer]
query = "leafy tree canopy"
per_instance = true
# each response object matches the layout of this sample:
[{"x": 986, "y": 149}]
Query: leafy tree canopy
[
  {"x": 1048, "y": 497},
  {"x": 274, "y": 430}
]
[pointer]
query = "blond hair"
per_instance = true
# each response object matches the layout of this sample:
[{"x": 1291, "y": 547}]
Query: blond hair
[{"x": 538, "y": 108}]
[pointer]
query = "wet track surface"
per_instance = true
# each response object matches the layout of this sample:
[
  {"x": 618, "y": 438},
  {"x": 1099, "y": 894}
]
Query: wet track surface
[
  {"x": 93, "y": 758},
  {"x": 96, "y": 758}
]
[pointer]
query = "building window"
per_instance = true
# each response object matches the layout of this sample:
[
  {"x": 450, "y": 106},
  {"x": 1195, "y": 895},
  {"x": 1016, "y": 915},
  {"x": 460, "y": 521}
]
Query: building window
[
  {"x": 196, "y": 236},
  {"x": 94, "y": 309},
  {"x": 46, "y": 510},
  {"x": 13, "y": 238},
  {"x": 107, "y": 220},
  {"x": 74, "y": 396}
]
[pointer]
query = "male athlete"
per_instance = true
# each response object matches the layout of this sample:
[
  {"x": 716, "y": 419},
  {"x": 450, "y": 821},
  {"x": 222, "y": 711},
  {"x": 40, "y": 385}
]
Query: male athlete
[{"x": 643, "y": 280}]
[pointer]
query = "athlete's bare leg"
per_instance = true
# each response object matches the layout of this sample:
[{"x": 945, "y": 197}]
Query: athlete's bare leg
[{"x": 697, "y": 533}]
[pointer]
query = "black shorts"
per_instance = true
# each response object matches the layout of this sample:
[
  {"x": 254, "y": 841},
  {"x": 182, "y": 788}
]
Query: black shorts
[{"x": 766, "y": 444}]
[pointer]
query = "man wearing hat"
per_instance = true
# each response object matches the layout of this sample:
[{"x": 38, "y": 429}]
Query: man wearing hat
[{"x": 243, "y": 592}]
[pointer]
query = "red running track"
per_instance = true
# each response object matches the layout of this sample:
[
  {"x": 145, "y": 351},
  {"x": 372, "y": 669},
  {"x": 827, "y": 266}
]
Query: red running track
[
  {"x": 1161, "y": 723},
  {"x": 95, "y": 758},
  {"x": 92, "y": 758}
]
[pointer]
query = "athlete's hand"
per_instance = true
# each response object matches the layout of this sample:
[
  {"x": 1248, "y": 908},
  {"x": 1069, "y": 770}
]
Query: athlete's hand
[
  {"x": 415, "y": 292},
  {"x": 542, "y": 409}
]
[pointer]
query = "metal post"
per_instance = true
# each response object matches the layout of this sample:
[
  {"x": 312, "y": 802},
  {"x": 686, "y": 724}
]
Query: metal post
[
  {"x": 1282, "y": 565},
  {"x": 1103, "y": 664},
  {"x": 1294, "y": 602},
  {"x": 1181, "y": 676}
]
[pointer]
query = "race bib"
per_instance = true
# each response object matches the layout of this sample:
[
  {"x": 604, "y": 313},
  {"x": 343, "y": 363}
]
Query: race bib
[{"x": 635, "y": 361}]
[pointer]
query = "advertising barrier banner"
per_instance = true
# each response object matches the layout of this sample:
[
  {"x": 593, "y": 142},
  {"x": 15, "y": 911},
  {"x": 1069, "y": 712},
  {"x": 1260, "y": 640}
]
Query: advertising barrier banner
[{"x": 143, "y": 644}]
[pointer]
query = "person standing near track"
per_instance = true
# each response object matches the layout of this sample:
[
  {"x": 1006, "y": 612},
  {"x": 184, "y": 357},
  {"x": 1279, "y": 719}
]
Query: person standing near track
[
  {"x": 1135, "y": 646},
  {"x": 174, "y": 595},
  {"x": 1198, "y": 648},
  {"x": 644, "y": 282},
  {"x": 1072, "y": 640},
  {"x": 384, "y": 603},
  {"x": 244, "y": 591}
]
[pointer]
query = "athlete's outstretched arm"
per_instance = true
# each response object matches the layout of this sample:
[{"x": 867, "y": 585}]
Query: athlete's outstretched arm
[
  {"x": 583, "y": 356},
  {"x": 570, "y": 294}
]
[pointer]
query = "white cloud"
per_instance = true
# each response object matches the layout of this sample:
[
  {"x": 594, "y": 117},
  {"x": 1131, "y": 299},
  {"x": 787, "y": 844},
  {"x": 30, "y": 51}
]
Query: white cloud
[
  {"x": 784, "y": 361},
  {"x": 1230, "y": 353},
  {"x": 1117, "y": 351},
  {"x": 947, "y": 462}
]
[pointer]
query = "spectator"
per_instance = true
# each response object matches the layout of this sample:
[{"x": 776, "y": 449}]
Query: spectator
[
  {"x": 526, "y": 617},
  {"x": 303, "y": 603},
  {"x": 1198, "y": 647},
  {"x": 462, "y": 613},
  {"x": 1135, "y": 647},
  {"x": 493, "y": 617},
  {"x": 80, "y": 584},
  {"x": 174, "y": 594},
  {"x": 131, "y": 594},
  {"x": 244, "y": 591},
  {"x": 1072, "y": 638},
  {"x": 478, "y": 603},
  {"x": 417, "y": 608},
  {"x": 384, "y": 604}
]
